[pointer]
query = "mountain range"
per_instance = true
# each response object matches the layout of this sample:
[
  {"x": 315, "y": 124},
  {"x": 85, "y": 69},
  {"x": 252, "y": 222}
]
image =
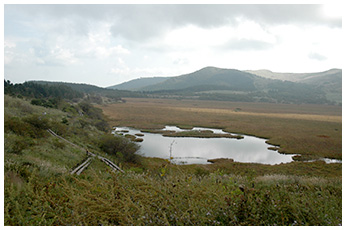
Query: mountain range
[{"x": 235, "y": 85}]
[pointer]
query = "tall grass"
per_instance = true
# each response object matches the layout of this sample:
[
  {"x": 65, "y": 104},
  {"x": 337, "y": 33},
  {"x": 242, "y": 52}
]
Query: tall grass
[{"x": 172, "y": 199}]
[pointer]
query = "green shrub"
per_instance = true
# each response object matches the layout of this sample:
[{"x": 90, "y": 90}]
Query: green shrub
[
  {"x": 70, "y": 109},
  {"x": 124, "y": 149},
  {"x": 64, "y": 121},
  {"x": 15, "y": 125},
  {"x": 40, "y": 122},
  {"x": 102, "y": 125},
  {"x": 137, "y": 170},
  {"x": 200, "y": 172},
  {"x": 17, "y": 144},
  {"x": 58, "y": 144},
  {"x": 58, "y": 127},
  {"x": 26, "y": 108}
]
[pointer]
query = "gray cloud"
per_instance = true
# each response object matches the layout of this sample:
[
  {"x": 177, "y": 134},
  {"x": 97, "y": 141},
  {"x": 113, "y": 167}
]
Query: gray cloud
[
  {"x": 145, "y": 21},
  {"x": 317, "y": 56},
  {"x": 141, "y": 22}
]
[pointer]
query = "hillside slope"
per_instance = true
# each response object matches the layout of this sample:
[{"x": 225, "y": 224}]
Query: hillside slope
[
  {"x": 330, "y": 81},
  {"x": 209, "y": 77},
  {"x": 137, "y": 84},
  {"x": 213, "y": 83},
  {"x": 297, "y": 77}
]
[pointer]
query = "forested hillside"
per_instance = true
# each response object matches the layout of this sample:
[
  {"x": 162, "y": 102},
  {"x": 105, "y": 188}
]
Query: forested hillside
[
  {"x": 213, "y": 83},
  {"x": 34, "y": 90},
  {"x": 95, "y": 92}
]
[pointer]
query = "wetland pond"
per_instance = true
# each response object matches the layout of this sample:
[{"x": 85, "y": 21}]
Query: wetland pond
[{"x": 195, "y": 150}]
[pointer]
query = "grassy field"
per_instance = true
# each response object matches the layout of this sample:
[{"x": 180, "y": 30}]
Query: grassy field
[
  {"x": 39, "y": 189},
  {"x": 311, "y": 130}
]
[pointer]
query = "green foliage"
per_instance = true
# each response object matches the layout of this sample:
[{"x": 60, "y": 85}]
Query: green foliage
[
  {"x": 137, "y": 170},
  {"x": 201, "y": 172},
  {"x": 50, "y": 103},
  {"x": 124, "y": 149},
  {"x": 90, "y": 111},
  {"x": 31, "y": 126},
  {"x": 70, "y": 109},
  {"x": 102, "y": 125},
  {"x": 39, "y": 91},
  {"x": 64, "y": 121},
  {"x": 297, "y": 93},
  {"x": 179, "y": 199},
  {"x": 38, "y": 121},
  {"x": 95, "y": 114},
  {"x": 16, "y": 144},
  {"x": 58, "y": 144},
  {"x": 95, "y": 94}
]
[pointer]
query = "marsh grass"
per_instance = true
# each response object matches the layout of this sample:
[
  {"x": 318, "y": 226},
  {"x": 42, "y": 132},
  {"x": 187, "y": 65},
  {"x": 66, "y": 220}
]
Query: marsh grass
[
  {"x": 39, "y": 190},
  {"x": 296, "y": 129}
]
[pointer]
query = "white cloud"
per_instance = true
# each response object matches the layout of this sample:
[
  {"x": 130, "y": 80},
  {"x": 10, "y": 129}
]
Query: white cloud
[
  {"x": 191, "y": 37},
  {"x": 250, "y": 30},
  {"x": 317, "y": 56},
  {"x": 121, "y": 71},
  {"x": 115, "y": 43},
  {"x": 64, "y": 55},
  {"x": 9, "y": 44},
  {"x": 8, "y": 57},
  {"x": 8, "y": 51},
  {"x": 99, "y": 43},
  {"x": 119, "y": 50},
  {"x": 333, "y": 10},
  {"x": 105, "y": 52}
]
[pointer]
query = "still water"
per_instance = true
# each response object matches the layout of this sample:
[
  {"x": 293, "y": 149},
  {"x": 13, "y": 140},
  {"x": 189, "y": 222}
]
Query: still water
[{"x": 187, "y": 150}]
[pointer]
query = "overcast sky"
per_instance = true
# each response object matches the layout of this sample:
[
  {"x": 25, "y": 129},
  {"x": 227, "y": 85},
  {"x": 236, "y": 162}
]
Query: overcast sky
[{"x": 106, "y": 45}]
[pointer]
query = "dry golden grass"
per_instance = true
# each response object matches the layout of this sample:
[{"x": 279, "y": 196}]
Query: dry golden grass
[
  {"x": 312, "y": 117},
  {"x": 304, "y": 129}
]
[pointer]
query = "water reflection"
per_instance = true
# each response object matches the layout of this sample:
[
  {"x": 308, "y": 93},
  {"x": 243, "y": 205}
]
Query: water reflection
[{"x": 198, "y": 150}]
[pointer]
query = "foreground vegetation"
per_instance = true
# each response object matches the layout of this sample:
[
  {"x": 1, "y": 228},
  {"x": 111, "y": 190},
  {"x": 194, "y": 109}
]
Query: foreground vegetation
[
  {"x": 39, "y": 189},
  {"x": 153, "y": 198}
]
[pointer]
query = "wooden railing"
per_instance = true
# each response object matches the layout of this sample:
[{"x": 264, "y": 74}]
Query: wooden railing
[{"x": 79, "y": 169}]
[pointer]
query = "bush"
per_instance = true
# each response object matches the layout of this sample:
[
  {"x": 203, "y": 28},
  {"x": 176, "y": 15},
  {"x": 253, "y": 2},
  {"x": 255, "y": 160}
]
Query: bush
[
  {"x": 70, "y": 109},
  {"x": 51, "y": 103},
  {"x": 91, "y": 111},
  {"x": 124, "y": 149},
  {"x": 34, "y": 126},
  {"x": 37, "y": 121},
  {"x": 102, "y": 125},
  {"x": 59, "y": 127},
  {"x": 201, "y": 172},
  {"x": 17, "y": 144},
  {"x": 96, "y": 115},
  {"x": 17, "y": 126},
  {"x": 58, "y": 144}
]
